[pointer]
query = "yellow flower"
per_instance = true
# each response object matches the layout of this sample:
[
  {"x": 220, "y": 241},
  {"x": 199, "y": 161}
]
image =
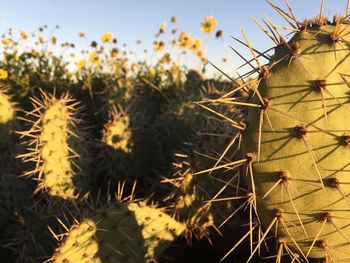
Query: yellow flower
[
  {"x": 41, "y": 39},
  {"x": 175, "y": 70},
  {"x": 53, "y": 40},
  {"x": 3, "y": 74},
  {"x": 23, "y": 34},
  {"x": 200, "y": 53},
  {"x": 82, "y": 34},
  {"x": 173, "y": 19},
  {"x": 107, "y": 37},
  {"x": 81, "y": 63},
  {"x": 114, "y": 52},
  {"x": 94, "y": 59},
  {"x": 184, "y": 40},
  {"x": 152, "y": 72},
  {"x": 195, "y": 45},
  {"x": 166, "y": 59},
  {"x": 162, "y": 28},
  {"x": 6, "y": 41},
  {"x": 209, "y": 24},
  {"x": 93, "y": 56},
  {"x": 158, "y": 46}
]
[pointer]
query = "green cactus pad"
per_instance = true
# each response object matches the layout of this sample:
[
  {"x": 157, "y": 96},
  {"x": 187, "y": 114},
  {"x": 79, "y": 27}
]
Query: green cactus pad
[
  {"x": 60, "y": 151},
  {"x": 130, "y": 232},
  {"x": 299, "y": 135}
]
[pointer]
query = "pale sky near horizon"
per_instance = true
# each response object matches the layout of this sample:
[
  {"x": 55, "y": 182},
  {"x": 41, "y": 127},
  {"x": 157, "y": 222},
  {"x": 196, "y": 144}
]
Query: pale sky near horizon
[{"x": 130, "y": 20}]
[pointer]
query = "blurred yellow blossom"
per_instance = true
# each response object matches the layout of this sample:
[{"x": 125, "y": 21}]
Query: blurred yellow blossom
[
  {"x": 107, "y": 37},
  {"x": 200, "y": 53},
  {"x": 53, "y": 40},
  {"x": 3, "y": 74},
  {"x": 158, "y": 46},
  {"x": 173, "y": 19},
  {"x": 175, "y": 70},
  {"x": 195, "y": 45},
  {"x": 184, "y": 40},
  {"x": 114, "y": 52},
  {"x": 94, "y": 59},
  {"x": 209, "y": 24},
  {"x": 23, "y": 34},
  {"x": 166, "y": 59},
  {"x": 81, "y": 63},
  {"x": 41, "y": 39},
  {"x": 162, "y": 27},
  {"x": 6, "y": 41},
  {"x": 82, "y": 34}
]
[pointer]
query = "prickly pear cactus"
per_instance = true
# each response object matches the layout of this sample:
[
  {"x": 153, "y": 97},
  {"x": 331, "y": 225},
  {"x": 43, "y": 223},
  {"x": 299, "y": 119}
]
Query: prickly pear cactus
[
  {"x": 59, "y": 150},
  {"x": 117, "y": 133},
  {"x": 132, "y": 232},
  {"x": 297, "y": 142},
  {"x": 7, "y": 116}
]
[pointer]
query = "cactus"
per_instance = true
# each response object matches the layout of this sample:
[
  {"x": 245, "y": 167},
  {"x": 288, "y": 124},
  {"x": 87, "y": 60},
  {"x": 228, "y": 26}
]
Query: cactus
[
  {"x": 117, "y": 134},
  {"x": 129, "y": 232},
  {"x": 7, "y": 116},
  {"x": 296, "y": 140},
  {"x": 60, "y": 152}
]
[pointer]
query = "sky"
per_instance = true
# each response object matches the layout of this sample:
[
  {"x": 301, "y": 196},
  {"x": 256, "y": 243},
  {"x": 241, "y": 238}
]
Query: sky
[{"x": 130, "y": 20}]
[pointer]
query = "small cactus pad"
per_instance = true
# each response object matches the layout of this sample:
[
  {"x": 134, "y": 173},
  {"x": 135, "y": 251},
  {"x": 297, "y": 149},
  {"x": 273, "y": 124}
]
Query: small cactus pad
[
  {"x": 130, "y": 232},
  {"x": 117, "y": 133},
  {"x": 60, "y": 153}
]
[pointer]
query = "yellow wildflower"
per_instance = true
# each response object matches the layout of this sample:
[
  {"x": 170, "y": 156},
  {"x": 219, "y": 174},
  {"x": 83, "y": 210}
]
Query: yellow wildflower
[
  {"x": 41, "y": 39},
  {"x": 94, "y": 59},
  {"x": 158, "y": 46},
  {"x": 107, "y": 37},
  {"x": 93, "y": 56},
  {"x": 3, "y": 74},
  {"x": 81, "y": 63},
  {"x": 6, "y": 41},
  {"x": 195, "y": 45},
  {"x": 200, "y": 53},
  {"x": 152, "y": 72},
  {"x": 82, "y": 34},
  {"x": 209, "y": 24},
  {"x": 53, "y": 40},
  {"x": 23, "y": 34},
  {"x": 173, "y": 19},
  {"x": 114, "y": 52},
  {"x": 175, "y": 70},
  {"x": 162, "y": 28},
  {"x": 184, "y": 40},
  {"x": 166, "y": 59}
]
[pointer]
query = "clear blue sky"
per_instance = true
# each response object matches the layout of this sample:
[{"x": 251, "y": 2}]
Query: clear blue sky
[{"x": 130, "y": 20}]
